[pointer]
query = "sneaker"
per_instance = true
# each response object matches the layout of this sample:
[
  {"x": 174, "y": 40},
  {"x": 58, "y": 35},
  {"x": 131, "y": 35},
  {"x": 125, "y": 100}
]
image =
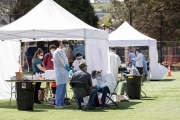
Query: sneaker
[
  {"x": 59, "y": 107},
  {"x": 102, "y": 107},
  {"x": 64, "y": 105},
  {"x": 90, "y": 107},
  {"x": 79, "y": 107},
  {"x": 83, "y": 104},
  {"x": 38, "y": 102}
]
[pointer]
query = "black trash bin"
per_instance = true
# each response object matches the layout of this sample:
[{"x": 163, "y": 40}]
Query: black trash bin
[
  {"x": 25, "y": 95},
  {"x": 134, "y": 86}
]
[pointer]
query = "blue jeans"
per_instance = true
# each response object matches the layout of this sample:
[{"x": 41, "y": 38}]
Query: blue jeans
[
  {"x": 93, "y": 93},
  {"x": 105, "y": 91},
  {"x": 60, "y": 94}
]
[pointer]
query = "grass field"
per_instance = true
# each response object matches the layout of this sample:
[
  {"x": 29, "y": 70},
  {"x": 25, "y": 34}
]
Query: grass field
[{"x": 162, "y": 103}]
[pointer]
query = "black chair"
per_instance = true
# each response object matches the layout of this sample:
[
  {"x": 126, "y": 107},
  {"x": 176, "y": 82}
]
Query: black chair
[
  {"x": 80, "y": 91},
  {"x": 113, "y": 93}
]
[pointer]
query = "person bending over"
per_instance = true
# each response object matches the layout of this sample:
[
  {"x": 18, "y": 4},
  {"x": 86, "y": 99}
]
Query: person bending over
[
  {"x": 105, "y": 82},
  {"x": 132, "y": 71}
]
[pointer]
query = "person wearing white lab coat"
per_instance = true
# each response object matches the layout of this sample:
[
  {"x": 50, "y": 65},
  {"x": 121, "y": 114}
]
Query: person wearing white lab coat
[
  {"x": 115, "y": 62},
  {"x": 132, "y": 71},
  {"x": 105, "y": 82},
  {"x": 78, "y": 60},
  {"x": 61, "y": 68}
]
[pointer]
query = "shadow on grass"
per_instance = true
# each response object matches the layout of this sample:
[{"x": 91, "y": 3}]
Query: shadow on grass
[
  {"x": 163, "y": 80},
  {"x": 148, "y": 98},
  {"x": 45, "y": 107}
]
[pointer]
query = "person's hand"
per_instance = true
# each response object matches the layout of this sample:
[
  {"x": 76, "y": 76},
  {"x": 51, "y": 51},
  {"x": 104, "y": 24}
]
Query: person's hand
[
  {"x": 75, "y": 70},
  {"x": 67, "y": 67},
  {"x": 125, "y": 75},
  {"x": 98, "y": 88}
]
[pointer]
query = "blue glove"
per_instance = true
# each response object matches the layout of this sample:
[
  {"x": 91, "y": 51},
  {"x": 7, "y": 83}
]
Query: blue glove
[
  {"x": 75, "y": 70},
  {"x": 67, "y": 67},
  {"x": 98, "y": 88},
  {"x": 125, "y": 75}
]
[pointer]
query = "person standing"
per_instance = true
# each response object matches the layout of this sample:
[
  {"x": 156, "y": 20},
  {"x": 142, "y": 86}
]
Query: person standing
[
  {"x": 115, "y": 62},
  {"x": 61, "y": 68},
  {"x": 130, "y": 56},
  {"x": 78, "y": 60},
  {"x": 48, "y": 64},
  {"x": 38, "y": 68},
  {"x": 139, "y": 61}
]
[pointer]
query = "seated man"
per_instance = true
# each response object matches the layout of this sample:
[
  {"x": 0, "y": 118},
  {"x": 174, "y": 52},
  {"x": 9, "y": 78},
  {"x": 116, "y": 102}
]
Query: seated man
[
  {"x": 84, "y": 77},
  {"x": 105, "y": 82},
  {"x": 132, "y": 71}
]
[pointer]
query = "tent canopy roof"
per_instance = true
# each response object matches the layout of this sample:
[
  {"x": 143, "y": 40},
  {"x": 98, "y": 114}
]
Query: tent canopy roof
[
  {"x": 49, "y": 20},
  {"x": 126, "y": 35}
]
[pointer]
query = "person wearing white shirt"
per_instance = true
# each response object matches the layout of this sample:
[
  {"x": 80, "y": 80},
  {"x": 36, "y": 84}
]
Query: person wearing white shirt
[
  {"x": 78, "y": 60},
  {"x": 115, "y": 62},
  {"x": 132, "y": 71},
  {"x": 105, "y": 82}
]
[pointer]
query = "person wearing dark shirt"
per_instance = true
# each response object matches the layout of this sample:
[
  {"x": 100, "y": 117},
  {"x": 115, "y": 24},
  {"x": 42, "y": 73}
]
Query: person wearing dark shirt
[
  {"x": 48, "y": 64},
  {"x": 84, "y": 77},
  {"x": 37, "y": 66}
]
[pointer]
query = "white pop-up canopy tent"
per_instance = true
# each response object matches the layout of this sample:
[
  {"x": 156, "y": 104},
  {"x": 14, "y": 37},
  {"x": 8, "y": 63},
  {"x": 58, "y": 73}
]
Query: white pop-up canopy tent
[
  {"x": 126, "y": 35},
  {"x": 49, "y": 20}
]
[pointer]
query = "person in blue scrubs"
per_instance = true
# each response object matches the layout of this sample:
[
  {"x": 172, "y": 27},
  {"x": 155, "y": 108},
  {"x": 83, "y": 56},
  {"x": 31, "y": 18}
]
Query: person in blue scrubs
[
  {"x": 38, "y": 68},
  {"x": 130, "y": 56}
]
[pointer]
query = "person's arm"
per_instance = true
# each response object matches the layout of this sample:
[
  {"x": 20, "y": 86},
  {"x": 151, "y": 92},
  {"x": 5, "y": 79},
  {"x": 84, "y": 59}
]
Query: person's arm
[
  {"x": 45, "y": 61},
  {"x": 119, "y": 61},
  {"x": 59, "y": 60},
  {"x": 108, "y": 79},
  {"x": 137, "y": 58},
  {"x": 41, "y": 68}
]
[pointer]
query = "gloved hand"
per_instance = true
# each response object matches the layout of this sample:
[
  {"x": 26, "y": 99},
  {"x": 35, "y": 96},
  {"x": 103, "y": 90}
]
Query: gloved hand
[
  {"x": 98, "y": 88},
  {"x": 75, "y": 70},
  {"x": 67, "y": 67},
  {"x": 125, "y": 75}
]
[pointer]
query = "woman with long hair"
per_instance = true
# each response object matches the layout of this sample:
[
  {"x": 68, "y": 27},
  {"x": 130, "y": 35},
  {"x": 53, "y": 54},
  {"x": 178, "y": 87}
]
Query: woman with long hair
[{"x": 38, "y": 68}]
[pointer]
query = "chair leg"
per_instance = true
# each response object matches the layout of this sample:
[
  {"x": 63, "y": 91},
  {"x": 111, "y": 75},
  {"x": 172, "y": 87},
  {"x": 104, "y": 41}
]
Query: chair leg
[
  {"x": 113, "y": 102},
  {"x": 143, "y": 93}
]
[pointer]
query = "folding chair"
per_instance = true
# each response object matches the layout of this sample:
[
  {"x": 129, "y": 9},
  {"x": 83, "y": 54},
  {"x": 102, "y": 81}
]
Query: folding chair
[
  {"x": 42, "y": 94},
  {"x": 80, "y": 91},
  {"x": 140, "y": 69},
  {"x": 113, "y": 93}
]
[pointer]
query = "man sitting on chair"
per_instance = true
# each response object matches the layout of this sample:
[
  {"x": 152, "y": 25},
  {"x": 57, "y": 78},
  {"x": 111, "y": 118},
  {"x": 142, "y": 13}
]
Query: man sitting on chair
[
  {"x": 132, "y": 71},
  {"x": 84, "y": 77}
]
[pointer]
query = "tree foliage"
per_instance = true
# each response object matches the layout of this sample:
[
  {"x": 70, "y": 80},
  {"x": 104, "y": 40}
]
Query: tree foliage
[
  {"x": 146, "y": 16},
  {"x": 80, "y": 8}
]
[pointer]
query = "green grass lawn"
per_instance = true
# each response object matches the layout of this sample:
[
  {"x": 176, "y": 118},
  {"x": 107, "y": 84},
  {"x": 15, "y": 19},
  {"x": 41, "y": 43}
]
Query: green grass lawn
[{"x": 162, "y": 103}]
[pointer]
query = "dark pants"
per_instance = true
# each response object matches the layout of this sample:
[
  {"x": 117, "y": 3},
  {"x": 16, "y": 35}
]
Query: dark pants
[
  {"x": 104, "y": 91},
  {"x": 53, "y": 90},
  {"x": 37, "y": 87}
]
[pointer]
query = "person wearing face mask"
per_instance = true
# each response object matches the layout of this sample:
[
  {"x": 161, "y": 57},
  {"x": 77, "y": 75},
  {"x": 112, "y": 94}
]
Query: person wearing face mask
[
  {"x": 132, "y": 71},
  {"x": 139, "y": 61},
  {"x": 38, "y": 68},
  {"x": 48, "y": 64},
  {"x": 78, "y": 60},
  {"x": 61, "y": 68},
  {"x": 115, "y": 63},
  {"x": 105, "y": 82}
]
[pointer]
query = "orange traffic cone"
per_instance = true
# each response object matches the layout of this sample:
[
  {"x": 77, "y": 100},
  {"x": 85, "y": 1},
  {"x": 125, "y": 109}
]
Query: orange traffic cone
[{"x": 169, "y": 71}]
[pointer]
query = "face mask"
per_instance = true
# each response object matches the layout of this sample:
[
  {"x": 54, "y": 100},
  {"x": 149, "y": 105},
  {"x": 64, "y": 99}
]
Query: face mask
[
  {"x": 137, "y": 52},
  {"x": 64, "y": 48},
  {"x": 41, "y": 57},
  {"x": 52, "y": 52},
  {"x": 98, "y": 78},
  {"x": 79, "y": 58},
  {"x": 65, "y": 45}
]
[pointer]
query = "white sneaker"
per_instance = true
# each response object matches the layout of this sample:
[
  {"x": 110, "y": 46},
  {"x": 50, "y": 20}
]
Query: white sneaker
[
  {"x": 59, "y": 107},
  {"x": 64, "y": 105}
]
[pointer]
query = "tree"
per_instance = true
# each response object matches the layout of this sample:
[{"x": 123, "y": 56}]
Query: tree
[
  {"x": 146, "y": 16},
  {"x": 80, "y": 8}
]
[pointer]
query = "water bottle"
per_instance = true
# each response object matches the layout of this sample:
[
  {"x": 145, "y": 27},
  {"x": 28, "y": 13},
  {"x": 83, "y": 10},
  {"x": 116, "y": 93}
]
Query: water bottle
[{"x": 70, "y": 73}]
